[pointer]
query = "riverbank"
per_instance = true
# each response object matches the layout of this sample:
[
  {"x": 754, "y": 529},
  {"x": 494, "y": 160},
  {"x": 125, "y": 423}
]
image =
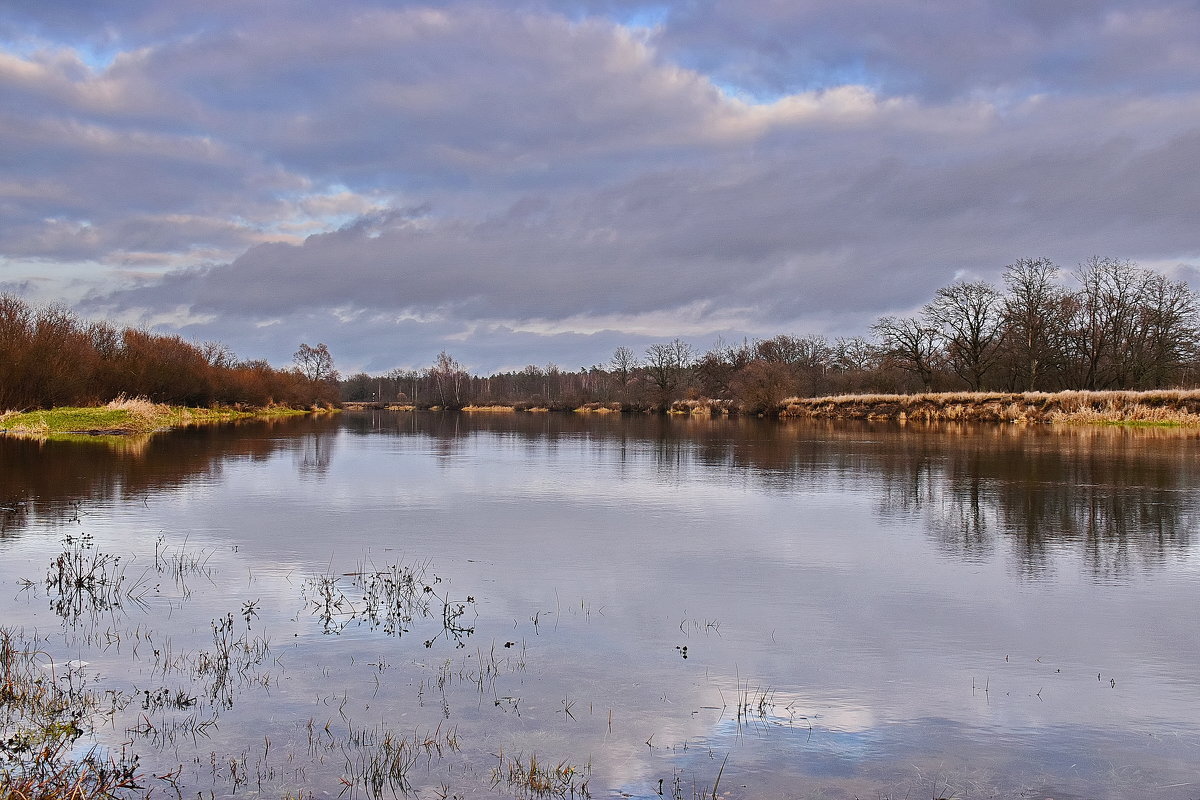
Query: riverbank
[
  {"x": 1176, "y": 407},
  {"x": 1168, "y": 407},
  {"x": 125, "y": 416}
]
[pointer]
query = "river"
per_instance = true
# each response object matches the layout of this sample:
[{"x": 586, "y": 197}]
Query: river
[{"x": 439, "y": 605}]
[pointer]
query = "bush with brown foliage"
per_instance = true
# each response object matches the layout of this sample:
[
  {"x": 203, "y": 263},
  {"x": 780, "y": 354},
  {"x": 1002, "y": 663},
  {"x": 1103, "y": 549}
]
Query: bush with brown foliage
[{"x": 49, "y": 357}]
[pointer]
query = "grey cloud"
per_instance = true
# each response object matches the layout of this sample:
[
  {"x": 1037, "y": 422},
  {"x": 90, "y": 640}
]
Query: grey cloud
[
  {"x": 785, "y": 233},
  {"x": 227, "y": 121},
  {"x": 377, "y": 343},
  {"x": 86, "y": 190},
  {"x": 574, "y": 175},
  {"x": 933, "y": 50},
  {"x": 942, "y": 49},
  {"x": 416, "y": 94}
]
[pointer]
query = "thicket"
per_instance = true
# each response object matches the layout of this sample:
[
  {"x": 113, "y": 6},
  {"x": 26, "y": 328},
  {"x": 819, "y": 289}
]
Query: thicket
[
  {"x": 1110, "y": 325},
  {"x": 50, "y": 357}
]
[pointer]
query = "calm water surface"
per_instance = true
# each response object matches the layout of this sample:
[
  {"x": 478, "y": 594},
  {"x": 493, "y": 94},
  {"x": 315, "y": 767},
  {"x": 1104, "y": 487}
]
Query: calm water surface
[{"x": 654, "y": 605}]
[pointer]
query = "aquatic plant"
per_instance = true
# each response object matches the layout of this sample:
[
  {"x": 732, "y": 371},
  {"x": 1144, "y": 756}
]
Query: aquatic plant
[
  {"x": 45, "y": 708},
  {"x": 83, "y": 580},
  {"x": 391, "y": 599},
  {"x": 232, "y": 656},
  {"x": 378, "y": 759},
  {"x": 533, "y": 778}
]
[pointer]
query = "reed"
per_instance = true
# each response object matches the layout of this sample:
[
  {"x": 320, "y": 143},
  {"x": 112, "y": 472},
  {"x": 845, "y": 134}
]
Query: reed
[
  {"x": 599, "y": 408},
  {"x": 43, "y": 719},
  {"x": 534, "y": 778},
  {"x": 702, "y": 407},
  {"x": 1175, "y": 407}
]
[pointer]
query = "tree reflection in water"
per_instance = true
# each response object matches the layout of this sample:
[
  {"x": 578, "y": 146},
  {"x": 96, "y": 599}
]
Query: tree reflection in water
[{"x": 1120, "y": 499}]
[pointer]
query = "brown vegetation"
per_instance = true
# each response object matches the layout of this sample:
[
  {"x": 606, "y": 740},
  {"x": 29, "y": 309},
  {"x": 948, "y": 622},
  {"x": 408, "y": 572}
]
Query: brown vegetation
[
  {"x": 49, "y": 358},
  {"x": 1175, "y": 407}
]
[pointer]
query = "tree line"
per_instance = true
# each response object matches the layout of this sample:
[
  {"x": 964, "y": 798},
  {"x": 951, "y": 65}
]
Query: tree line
[
  {"x": 50, "y": 357},
  {"x": 1118, "y": 327},
  {"x": 1109, "y": 324}
]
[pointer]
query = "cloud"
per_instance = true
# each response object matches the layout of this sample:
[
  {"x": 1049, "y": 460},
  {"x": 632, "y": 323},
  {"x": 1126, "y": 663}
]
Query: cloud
[
  {"x": 785, "y": 232},
  {"x": 941, "y": 51},
  {"x": 529, "y": 170}
]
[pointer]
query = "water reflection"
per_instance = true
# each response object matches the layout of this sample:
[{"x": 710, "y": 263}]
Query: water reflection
[
  {"x": 1120, "y": 500},
  {"x": 40, "y": 478},
  {"x": 314, "y": 454}
]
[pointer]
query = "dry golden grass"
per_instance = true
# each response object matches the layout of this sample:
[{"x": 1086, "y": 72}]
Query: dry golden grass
[
  {"x": 1158, "y": 407},
  {"x": 598, "y": 408},
  {"x": 140, "y": 405},
  {"x": 489, "y": 409},
  {"x": 701, "y": 406},
  {"x": 144, "y": 412}
]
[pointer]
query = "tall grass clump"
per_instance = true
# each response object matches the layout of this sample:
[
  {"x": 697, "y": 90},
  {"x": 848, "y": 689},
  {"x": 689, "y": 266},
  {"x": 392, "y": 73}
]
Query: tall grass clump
[{"x": 533, "y": 778}]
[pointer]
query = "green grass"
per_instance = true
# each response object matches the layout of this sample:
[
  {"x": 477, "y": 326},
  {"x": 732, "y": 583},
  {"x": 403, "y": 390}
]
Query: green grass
[{"x": 122, "y": 417}]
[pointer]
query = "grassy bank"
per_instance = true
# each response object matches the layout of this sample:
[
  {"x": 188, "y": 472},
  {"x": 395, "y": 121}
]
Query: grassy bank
[
  {"x": 1176, "y": 407},
  {"x": 124, "y": 416}
]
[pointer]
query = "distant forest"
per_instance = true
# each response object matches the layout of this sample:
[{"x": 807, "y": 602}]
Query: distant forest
[
  {"x": 1115, "y": 326},
  {"x": 50, "y": 357}
]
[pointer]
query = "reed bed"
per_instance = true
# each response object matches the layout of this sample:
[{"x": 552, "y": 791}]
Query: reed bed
[
  {"x": 1174, "y": 407},
  {"x": 702, "y": 406},
  {"x": 599, "y": 408}
]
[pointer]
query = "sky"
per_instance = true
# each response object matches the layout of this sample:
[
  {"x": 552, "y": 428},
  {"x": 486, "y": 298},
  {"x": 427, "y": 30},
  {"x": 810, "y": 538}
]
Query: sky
[{"x": 541, "y": 182}]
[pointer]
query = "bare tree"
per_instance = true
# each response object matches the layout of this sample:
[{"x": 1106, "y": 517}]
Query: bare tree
[
  {"x": 714, "y": 372},
  {"x": 968, "y": 317},
  {"x": 315, "y": 363},
  {"x": 407, "y": 379},
  {"x": 855, "y": 365},
  {"x": 16, "y": 331},
  {"x": 448, "y": 376},
  {"x": 910, "y": 344},
  {"x": 854, "y": 354},
  {"x": 1102, "y": 332},
  {"x": 761, "y": 385},
  {"x": 1034, "y": 320},
  {"x": 668, "y": 368},
  {"x": 623, "y": 363},
  {"x": 807, "y": 359},
  {"x": 1167, "y": 332},
  {"x": 218, "y": 354}
]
